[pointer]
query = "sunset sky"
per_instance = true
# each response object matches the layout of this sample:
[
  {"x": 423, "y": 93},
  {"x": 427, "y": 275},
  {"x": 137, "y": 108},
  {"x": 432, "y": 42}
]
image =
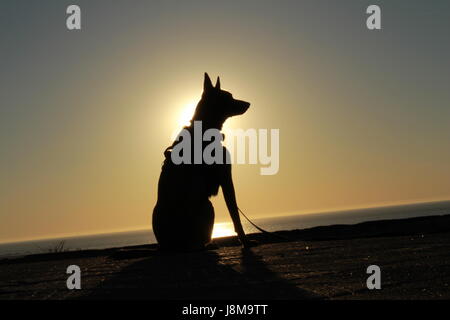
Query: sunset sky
[{"x": 364, "y": 116}]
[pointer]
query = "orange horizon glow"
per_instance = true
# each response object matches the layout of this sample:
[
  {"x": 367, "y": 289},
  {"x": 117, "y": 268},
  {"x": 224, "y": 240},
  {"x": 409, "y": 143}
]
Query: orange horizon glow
[{"x": 222, "y": 228}]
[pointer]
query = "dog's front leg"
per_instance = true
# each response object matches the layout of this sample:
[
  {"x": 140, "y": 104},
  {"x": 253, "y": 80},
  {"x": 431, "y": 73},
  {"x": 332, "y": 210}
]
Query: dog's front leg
[{"x": 230, "y": 200}]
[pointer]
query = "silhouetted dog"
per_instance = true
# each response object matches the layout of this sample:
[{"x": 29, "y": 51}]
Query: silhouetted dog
[{"x": 183, "y": 217}]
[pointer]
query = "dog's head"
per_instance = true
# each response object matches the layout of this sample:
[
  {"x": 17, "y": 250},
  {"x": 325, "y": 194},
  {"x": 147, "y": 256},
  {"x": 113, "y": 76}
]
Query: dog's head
[{"x": 217, "y": 105}]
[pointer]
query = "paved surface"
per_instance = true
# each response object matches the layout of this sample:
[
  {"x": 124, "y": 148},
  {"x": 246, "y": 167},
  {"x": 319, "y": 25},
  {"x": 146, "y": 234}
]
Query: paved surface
[{"x": 413, "y": 267}]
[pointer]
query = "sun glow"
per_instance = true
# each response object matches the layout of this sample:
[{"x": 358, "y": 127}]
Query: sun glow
[
  {"x": 186, "y": 113},
  {"x": 184, "y": 116},
  {"x": 223, "y": 230}
]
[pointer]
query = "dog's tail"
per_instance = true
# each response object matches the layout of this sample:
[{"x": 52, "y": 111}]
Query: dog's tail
[{"x": 262, "y": 230}]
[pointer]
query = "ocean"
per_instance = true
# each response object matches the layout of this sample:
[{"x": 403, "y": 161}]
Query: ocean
[{"x": 140, "y": 237}]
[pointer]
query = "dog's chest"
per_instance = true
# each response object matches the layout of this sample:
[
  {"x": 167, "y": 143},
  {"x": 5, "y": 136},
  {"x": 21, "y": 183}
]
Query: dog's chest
[{"x": 200, "y": 179}]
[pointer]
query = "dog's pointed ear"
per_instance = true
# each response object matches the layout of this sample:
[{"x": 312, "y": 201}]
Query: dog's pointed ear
[
  {"x": 218, "y": 83},
  {"x": 207, "y": 84}
]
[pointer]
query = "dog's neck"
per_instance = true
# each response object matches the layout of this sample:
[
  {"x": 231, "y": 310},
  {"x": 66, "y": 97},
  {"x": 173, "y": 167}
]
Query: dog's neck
[
  {"x": 190, "y": 128},
  {"x": 206, "y": 125},
  {"x": 204, "y": 112}
]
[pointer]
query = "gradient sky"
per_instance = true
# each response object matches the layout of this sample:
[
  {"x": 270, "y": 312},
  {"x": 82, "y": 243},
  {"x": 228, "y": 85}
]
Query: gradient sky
[{"x": 364, "y": 116}]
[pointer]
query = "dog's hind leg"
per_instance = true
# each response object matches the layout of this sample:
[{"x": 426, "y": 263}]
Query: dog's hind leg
[
  {"x": 198, "y": 229},
  {"x": 179, "y": 229}
]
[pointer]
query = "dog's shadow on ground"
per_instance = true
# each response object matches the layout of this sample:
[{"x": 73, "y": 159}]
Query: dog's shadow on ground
[{"x": 206, "y": 275}]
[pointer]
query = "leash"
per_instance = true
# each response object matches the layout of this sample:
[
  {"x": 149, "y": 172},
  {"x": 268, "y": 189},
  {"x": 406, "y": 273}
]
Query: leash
[{"x": 262, "y": 230}]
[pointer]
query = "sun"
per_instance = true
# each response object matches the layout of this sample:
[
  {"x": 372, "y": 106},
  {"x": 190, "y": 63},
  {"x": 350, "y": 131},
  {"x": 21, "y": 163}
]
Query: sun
[
  {"x": 223, "y": 230},
  {"x": 186, "y": 113},
  {"x": 183, "y": 116}
]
